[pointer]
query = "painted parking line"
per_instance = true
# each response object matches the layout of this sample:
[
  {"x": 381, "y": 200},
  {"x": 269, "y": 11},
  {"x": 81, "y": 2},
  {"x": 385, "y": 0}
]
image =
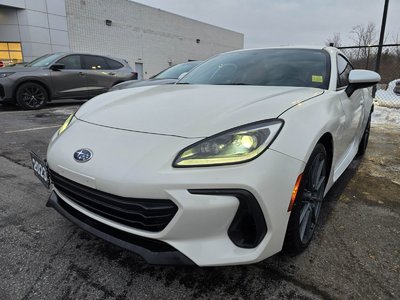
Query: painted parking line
[
  {"x": 32, "y": 129},
  {"x": 65, "y": 110}
]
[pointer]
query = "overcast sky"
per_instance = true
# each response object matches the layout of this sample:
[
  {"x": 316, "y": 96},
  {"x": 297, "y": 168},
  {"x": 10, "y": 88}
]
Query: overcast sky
[{"x": 287, "y": 22}]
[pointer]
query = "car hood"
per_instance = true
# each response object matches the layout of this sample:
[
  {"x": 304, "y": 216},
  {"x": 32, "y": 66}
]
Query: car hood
[
  {"x": 191, "y": 111},
  {"x": 138, "y": 83},
  {"x": 19, "y": 69}
]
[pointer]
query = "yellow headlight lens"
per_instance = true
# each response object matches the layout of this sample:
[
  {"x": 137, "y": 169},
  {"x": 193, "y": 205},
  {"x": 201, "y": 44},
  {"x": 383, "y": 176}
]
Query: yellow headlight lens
[
  {"x": 65, "y": 125},
  {"x": 234, "y": 146}
]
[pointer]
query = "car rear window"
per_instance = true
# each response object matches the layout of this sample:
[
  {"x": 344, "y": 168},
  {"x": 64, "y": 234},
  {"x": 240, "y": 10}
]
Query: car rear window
[
  {"x": 113, "y": 64},
  {"x": 95, "y": 62},
  {"x": 265, "y": 67}
]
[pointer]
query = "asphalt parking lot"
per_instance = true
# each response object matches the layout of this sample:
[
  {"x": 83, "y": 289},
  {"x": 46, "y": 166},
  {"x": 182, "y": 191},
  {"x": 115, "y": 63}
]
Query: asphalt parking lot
[{"x": 355, "y": 253}]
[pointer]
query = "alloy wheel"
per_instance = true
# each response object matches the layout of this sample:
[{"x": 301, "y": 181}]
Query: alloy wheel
[
  {"x": 312, "y": 197},
  {"x": 33, "y": 96}
]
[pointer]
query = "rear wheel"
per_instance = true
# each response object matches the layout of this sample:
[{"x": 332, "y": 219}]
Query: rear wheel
[
  {"x": 306, "y": 209},
  {"x": 31, "y": 96},
  {"x": 362, "y": 147}
]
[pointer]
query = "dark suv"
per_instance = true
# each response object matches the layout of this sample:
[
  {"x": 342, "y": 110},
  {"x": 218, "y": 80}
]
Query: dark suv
[{"x": 61, "y": 76}]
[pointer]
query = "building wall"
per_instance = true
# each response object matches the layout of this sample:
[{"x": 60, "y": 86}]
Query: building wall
[
  {"x": 40, "y": 26},
  {"x": 142, "y": 34}
]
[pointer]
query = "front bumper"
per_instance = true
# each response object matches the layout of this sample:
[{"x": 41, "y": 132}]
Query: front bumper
[
  {"x": 153, "y": 251},
  {"x": 6, "y": 90},
  {"x": 200, "y": 228}
]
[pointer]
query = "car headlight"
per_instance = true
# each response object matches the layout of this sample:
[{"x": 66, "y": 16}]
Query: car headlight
[
  {"x": 237, "y": 145},
  {"x": 6, "y": 74},
  {"x": 66, "y": 124}
]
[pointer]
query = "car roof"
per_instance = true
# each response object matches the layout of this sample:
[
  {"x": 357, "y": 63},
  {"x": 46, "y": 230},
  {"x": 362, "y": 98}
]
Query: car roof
[
  {"x": 306, "y": 47},
  {"x": 83, "y": 53}
]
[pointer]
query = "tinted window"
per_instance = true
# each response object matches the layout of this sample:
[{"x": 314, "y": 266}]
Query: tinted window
[
  {"x": 113, "y": 64},
  {"x": 344, "y": 68},
  {"x": 44, "y": 60},
  {"x": 71, "y": 62},
  {"x": 95, "y": 62},
  {"x": 175, "y": 71},
  {"x": 266, "y": 67}
]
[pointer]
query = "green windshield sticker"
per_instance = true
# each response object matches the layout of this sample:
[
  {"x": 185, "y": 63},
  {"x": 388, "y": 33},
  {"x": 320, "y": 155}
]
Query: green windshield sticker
[{"x": 317, "y": 78}]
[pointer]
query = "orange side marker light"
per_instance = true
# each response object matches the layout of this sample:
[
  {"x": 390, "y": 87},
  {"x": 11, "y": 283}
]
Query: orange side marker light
[{"x": 294, "y": 192}]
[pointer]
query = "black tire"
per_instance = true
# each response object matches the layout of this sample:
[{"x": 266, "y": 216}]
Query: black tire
[
  {"x": 31, "y": 95},
  {"x": 362, "y": 147},
  {"x": 307, "y": 206}
]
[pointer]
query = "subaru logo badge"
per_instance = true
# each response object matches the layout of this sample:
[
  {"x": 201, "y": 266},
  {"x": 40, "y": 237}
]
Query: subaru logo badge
[{"x": 83, "y": 155}]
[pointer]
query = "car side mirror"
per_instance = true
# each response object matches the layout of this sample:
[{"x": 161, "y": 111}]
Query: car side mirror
[
  {"x": 359, "y": 79},
  {"x": 57, "y": 67},
  {"x": 182, "y": 75}
]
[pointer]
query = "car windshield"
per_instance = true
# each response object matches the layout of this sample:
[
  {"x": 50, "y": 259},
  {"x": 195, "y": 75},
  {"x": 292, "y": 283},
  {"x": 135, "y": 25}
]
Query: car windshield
[
  {"x": 44, "y": 60},
  {"x": 175, "y": 71},
  {"x": 265, "y": 67}
]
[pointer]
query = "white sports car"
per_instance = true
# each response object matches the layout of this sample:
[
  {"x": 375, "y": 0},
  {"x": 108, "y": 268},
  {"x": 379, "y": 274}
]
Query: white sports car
[{"x": 227, "y": 166}]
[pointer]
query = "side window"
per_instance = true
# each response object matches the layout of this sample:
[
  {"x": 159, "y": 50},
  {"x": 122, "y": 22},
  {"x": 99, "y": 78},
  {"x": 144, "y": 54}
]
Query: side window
[
  {"x": 113, "y": 64},
  {"x": 71, "y": 62},
  {"x": 95, "y": 63},
  {"x": 344, "y": 68}
]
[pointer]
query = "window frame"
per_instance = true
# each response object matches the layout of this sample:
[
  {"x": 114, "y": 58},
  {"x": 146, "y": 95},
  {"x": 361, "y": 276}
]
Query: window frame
[
  {"x": 9, "y": 60},
  {"x": 114, "y": 61},
  {"x": 85, "y": 65},
  {"x": 81, "y": 60},
  {"x": 339, "y": 85}
]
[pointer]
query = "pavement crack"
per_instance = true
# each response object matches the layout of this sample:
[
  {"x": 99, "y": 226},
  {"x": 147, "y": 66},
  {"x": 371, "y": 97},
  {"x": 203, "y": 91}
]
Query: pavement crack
[
  {"x": 279, "y": 274},
  {"x": 16, "y": 161},
  {"x": 85, "y": 274},
  {"x": 47, "y": 266}
]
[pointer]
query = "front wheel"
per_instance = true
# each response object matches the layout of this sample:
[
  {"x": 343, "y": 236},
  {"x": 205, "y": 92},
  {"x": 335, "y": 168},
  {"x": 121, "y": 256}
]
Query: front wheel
[
  {"x": 307, "y": 206},
  {"x": 31, "y": 96}
]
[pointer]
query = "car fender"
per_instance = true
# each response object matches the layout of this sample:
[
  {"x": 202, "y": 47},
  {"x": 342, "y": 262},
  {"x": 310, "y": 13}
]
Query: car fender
[
  {"x": 44, "y": 82},
  {"x": 306, "y": 123}
]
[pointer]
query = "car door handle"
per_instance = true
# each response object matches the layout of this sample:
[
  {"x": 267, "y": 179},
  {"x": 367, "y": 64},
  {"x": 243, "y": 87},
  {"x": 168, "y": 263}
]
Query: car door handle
[
  {"x": 81, "y": 74},
  {"x": 111, "y": 73}
]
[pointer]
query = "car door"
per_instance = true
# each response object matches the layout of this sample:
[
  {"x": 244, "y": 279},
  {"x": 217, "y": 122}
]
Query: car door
[
  {"x": 99, "y": 75},
  {"x": 352, "y": 109},
  {"x": 70, "y": 82}
]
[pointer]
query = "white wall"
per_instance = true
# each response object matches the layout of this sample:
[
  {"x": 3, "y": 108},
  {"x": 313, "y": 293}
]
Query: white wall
[
  {"x": 40, "y": 26},
  {"x": 143, "y": 34}
]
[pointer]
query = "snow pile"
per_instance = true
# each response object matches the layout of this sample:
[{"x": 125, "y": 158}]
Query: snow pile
[
  {"x": 385, "y": 116},
  {"x": 388, "y": 97}
]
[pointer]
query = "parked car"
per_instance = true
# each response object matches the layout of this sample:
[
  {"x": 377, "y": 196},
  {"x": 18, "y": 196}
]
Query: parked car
[
  {"x": 396, "y": 88},
  {"x": 227, "y": 166},
  {"x": 61, "y": 76},
  {"x": 167, "y": 76}
]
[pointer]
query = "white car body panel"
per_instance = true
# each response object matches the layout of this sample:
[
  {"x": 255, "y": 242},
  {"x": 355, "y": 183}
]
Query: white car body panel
[
  {"x": 217, "y": 108},
  {"x": 136, "y": 138},
  {"x": 199, "y": 228}
]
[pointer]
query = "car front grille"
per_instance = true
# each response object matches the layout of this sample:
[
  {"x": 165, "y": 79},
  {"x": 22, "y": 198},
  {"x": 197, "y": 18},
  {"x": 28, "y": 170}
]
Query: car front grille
[{"x": 145, "y": 214}]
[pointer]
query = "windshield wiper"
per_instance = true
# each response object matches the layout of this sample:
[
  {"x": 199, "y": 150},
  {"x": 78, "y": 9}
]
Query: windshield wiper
[{"x": 234, "y": 83}]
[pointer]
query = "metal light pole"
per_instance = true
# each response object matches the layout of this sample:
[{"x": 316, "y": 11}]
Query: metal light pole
[{"x": 381, "y": 37}]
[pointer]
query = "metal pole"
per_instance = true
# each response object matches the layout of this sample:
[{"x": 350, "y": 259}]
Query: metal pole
[{"x": 381, "y": 37}]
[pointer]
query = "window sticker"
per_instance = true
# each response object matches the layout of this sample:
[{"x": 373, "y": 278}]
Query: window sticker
[{"x": 317, "y": 78}]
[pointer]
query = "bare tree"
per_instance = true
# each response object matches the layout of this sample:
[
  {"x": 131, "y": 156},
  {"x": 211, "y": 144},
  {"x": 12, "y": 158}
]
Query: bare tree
[
  {"x": 396, "y": 40},
  {"x": 364, "y": 35},
  {"x": 335, "y": 40}
]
